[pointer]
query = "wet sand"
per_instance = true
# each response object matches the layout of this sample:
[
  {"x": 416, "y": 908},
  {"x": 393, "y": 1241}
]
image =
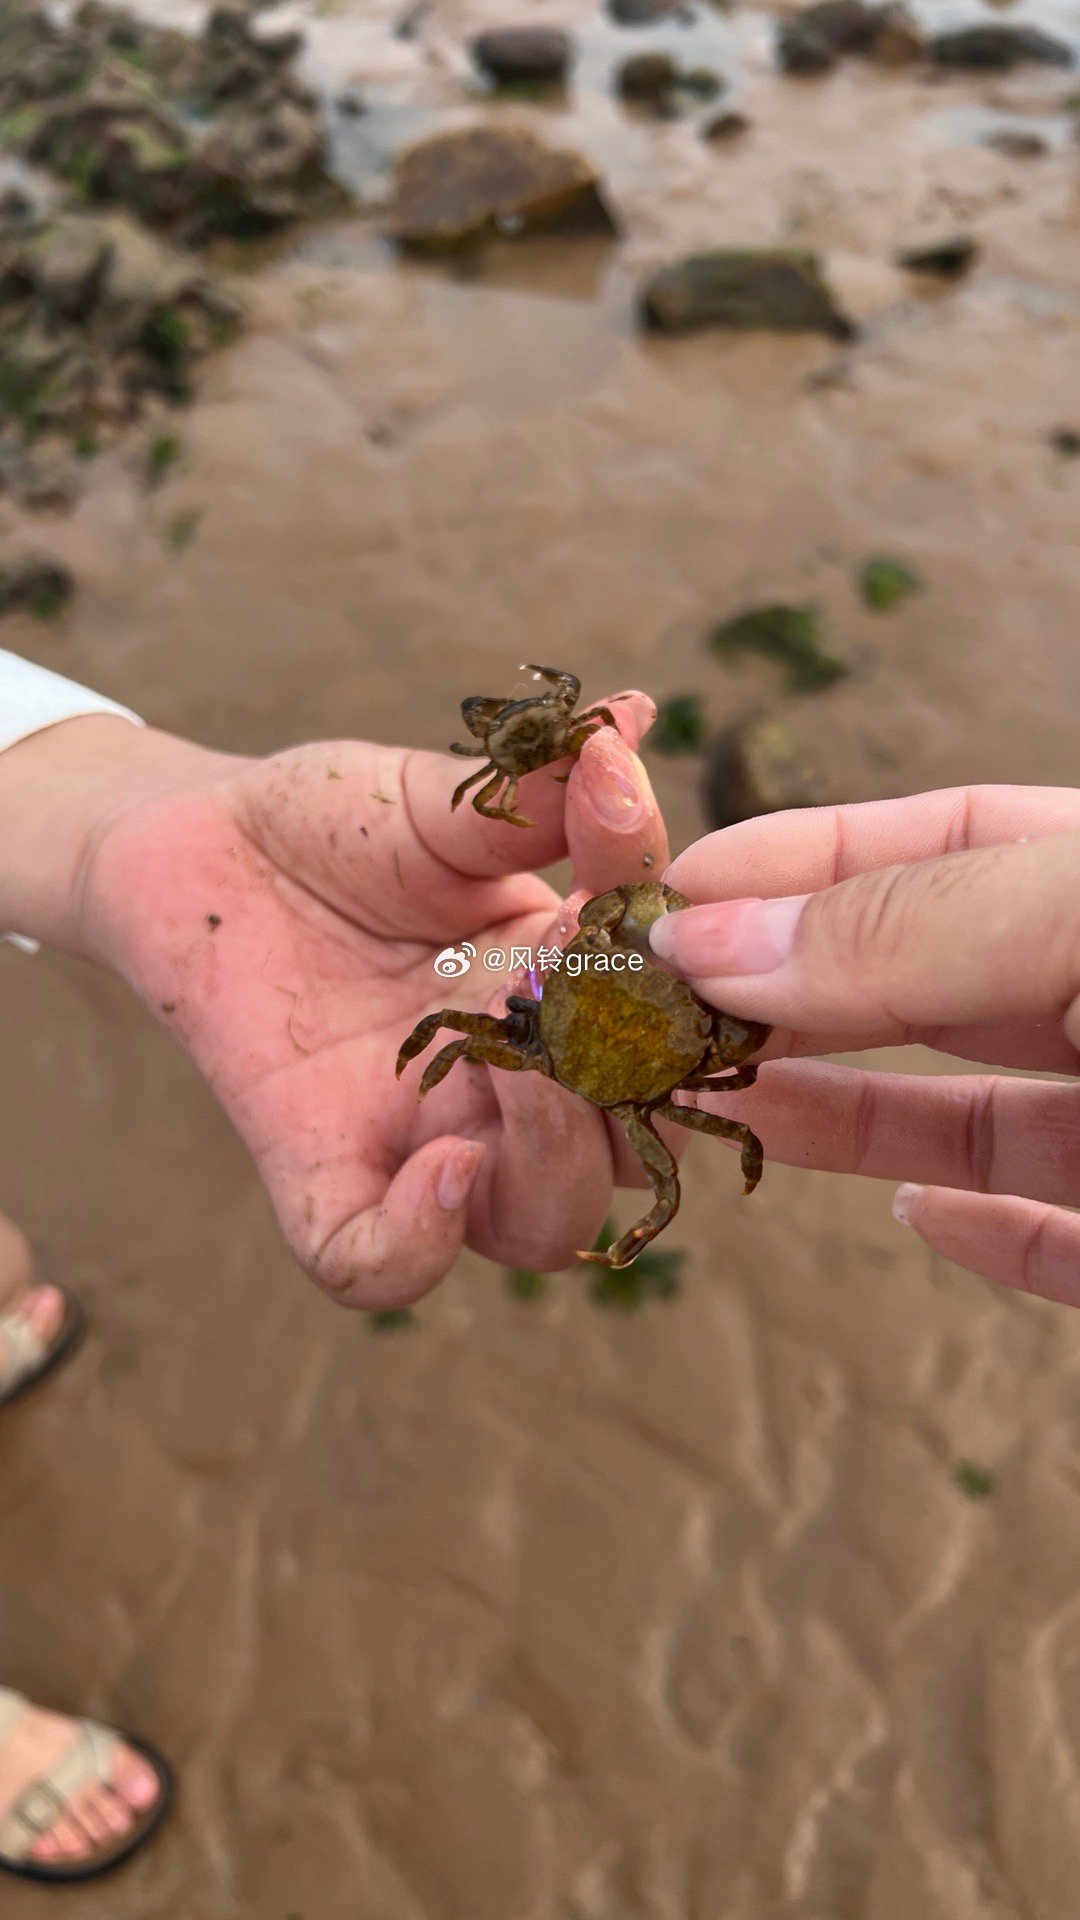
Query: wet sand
[{"x": 539, "y": 1612}]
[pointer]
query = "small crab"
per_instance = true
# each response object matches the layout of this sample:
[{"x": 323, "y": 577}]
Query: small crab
[
  {"x": 520, "y": 735},
  {"x": 627, "y": 1037}
]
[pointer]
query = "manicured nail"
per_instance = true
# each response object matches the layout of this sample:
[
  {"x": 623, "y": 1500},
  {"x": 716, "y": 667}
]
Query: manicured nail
[
  {"x": 732, "y": 937},
  {"x": 459, "y": 1170},
  {"x": 903, "y": 1200},
  {"x": 615, "y": 782}
]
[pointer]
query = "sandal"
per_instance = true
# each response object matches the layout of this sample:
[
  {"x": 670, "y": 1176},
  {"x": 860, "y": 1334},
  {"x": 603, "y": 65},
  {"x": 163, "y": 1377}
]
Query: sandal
[
  {"x": 88, "y": 1761},
  {"x": 27, "y": 1358}
]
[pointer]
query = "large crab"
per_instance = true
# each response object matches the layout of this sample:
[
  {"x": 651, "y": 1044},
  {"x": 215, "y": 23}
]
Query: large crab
[
  {"x": 619, "y": 1029},
  {"x": 520, "y": 735}
]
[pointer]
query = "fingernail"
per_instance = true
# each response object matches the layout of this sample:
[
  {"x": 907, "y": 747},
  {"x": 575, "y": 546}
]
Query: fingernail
[
  {"x": 731, "y": 937},
  {"x": 459, "y": 1171},
  {"x": 903, "y": 1200},
  {"x": 615, "y": 782}
]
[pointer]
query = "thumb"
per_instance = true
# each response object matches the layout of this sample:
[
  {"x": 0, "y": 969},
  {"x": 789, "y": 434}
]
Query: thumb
[{"x": 985, "y": 936}]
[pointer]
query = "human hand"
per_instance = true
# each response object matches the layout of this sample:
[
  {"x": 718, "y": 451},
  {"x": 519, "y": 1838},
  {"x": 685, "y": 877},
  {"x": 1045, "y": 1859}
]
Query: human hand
[
  {"x": 951, "y": 919},
  {"x": 281, "y": 918}
]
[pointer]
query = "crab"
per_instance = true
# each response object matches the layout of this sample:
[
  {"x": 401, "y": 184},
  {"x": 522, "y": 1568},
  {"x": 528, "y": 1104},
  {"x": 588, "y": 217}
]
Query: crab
[
  {"x": 520, "y": 735},
  {"x": 615, "y": 1026}
]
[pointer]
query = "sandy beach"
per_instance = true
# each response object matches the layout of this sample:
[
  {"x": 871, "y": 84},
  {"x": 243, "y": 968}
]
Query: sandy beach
[{"x": 535, "y": 1611}]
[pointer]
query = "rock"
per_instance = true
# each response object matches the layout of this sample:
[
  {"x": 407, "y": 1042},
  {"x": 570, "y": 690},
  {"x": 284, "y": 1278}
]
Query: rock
[
  {"x": 801, "y": 49},
  {"x": 641, "y": 13},
  {"x": 756, "y": 767},
  {"x": 702, "y": 82},
  {"x": 1016, "y": 144},
  {"x": 514, "y": 56},
  {"x": 791, "y": 636},
  {"x": 655, "y": 80},
  {"x": 649, "y": 77},
  {"x": 1066, "y": 442},
  {"x": 898, "y": 38},
  {"x": 64, "y": 263},
  {"x": 813, "y": 40},
  {"x": 997, "y": 46},
  {"x": 778, "y": 288},
  {"x": 94, "y": 315},
  {"x": 725, "y": 126},
  {"x": 949, "y": 257},
  {"x": 107, "y": 101},
  {"x": 34, "y": 582},
  {"x": 455, "y": 188},
  {"x": 352, "y": 105}
]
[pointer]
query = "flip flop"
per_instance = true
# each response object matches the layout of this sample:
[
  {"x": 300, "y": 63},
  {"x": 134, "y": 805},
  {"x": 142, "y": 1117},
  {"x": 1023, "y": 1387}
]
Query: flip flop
[
  {"x": 88, "y": 1761},
  {"x": 27, "y": 1359}
]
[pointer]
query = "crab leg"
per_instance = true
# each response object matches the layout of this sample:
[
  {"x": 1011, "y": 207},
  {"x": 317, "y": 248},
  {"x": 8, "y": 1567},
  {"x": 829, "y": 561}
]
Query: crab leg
[
  {"x": 566, "y": 684},
  {"x": 479, "y": 1025},
  {"x": 505, "y": 809},
  {"x": 660, "y": 1165},
  {"x": 726, "y": 1130},
  {"x": 481, "y": 774},
  {"x": 489, "y": 1053},
  {"x": 712, "y": 1083}
]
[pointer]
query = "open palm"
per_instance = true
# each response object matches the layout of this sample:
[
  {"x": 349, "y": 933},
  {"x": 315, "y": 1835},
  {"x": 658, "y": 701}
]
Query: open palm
[{"x": 281, "y": 917}]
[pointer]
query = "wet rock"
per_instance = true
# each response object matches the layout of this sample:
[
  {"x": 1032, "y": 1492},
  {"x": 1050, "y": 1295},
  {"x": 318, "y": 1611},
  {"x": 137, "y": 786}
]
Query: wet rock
[
  {"x": 641, "y": 13},
  {"x": 725, "y": 126},
  {"x": 513, "y": 56},
  {"x": 898, "y": 38},
  {"x": 656, "y": 81},
  {"x": 948, "y": 257},
  {"x": 995, "y": 46},
  {"x": 106, "y": 101},
  {"x": 745, "y": 287},
  {"x": 814, "y": 39},
  {"x": 756, "y": 767},
  {"x": 452, "y": 190},
  {"x": 791, "y": 636},
  {"x": 648, "y": 77},
  {"x": 64, "y": 263},
  {"x": 801, "y": 49},
  {"x": 1016, "y": 144},
  {"x": 95, "y": 315},
  {"x": 36, "y": 583}
]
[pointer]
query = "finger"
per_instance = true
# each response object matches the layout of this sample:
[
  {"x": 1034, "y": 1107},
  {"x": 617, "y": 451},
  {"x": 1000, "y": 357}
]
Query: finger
[
  {"x": 1019, "y": 1243},
  {"x": 481, "y": 848},
  {"x": 978, "y": 937},
  {"x": 1038, "y": 1045},
  {"x": 983, "y": 1132},
  {"x": 809, "y": 848},
  {"x": 547, "y": 1189},
  {"x": 394, "y": 1251},
  {"x": 614, "y": 828},
  {"x": 363, "y": 827}
]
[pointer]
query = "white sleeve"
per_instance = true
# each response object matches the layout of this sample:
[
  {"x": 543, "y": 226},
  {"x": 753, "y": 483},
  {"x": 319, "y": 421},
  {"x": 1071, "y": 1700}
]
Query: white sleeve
[{"x": 31, "y": 699}]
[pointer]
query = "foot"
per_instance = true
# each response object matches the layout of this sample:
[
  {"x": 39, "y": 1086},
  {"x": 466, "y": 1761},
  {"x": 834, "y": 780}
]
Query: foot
[{"x": 97, "y": 1816}]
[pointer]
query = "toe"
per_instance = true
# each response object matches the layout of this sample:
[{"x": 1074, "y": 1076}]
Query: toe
[
  {"x": 135, "y": 1780},
  {"x": 43, "y": 1309},
  {"x": 71, "y": 1840},
  {"x": 87, "y": 1808},
  {"x": 45, "y": 1849}
]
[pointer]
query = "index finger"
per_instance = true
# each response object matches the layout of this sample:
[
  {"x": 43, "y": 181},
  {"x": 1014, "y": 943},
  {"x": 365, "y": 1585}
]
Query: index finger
[{"x": 810, "y": 848}]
